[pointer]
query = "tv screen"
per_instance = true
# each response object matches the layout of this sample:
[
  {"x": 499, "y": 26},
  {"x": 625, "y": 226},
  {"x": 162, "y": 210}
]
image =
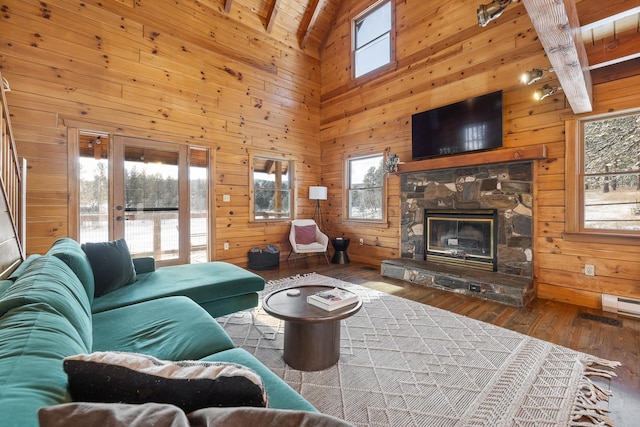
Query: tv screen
[{"x": 471, "y": 125}]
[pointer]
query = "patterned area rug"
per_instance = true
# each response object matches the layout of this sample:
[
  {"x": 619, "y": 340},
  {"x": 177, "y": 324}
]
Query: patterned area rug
[{"x": 403, "y": 363}]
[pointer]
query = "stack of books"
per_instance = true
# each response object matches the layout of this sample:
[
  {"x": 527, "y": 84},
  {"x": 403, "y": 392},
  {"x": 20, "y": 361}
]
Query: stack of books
[{"x": 332, "y": 299}]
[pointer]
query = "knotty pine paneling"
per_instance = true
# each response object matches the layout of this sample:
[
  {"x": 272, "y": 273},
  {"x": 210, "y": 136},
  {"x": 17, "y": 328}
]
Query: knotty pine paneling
[
  {"x": 443, "y": 56},
  {"x": 182, "y": 72}
]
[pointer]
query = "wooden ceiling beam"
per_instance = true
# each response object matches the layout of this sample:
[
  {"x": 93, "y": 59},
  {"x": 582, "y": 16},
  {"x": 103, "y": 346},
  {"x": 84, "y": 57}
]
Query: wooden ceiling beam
[
  {"x": 594, "y": 13},
  {"x": 306, "y": 31},
  {"x": 558, "y": 28},
  {"x": 612, "y": 51},
  {"x": 272, "y": 15}
]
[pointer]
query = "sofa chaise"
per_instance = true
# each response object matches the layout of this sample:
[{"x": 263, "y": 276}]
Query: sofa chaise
[{"x": 48, "y": 313}]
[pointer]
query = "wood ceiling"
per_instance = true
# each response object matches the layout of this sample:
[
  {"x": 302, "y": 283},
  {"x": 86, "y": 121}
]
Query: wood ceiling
[{"x": 579, "y": 36}]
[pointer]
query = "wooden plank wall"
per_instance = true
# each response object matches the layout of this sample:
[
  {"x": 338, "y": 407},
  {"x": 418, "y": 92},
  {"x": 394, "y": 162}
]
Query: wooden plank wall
[
  {"x": 182, "y": 72},
  {"x": 443, "y": 56}
]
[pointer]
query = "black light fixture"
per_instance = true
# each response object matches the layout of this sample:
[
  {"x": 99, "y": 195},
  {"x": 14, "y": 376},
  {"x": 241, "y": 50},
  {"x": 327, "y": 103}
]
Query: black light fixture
[
  {"x": 545, "y": 91},
  {"x": 490, "y": 11}
]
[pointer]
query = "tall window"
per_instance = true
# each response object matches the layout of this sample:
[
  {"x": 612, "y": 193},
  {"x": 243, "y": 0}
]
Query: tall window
[
  {"x": 365, "y": 186},
  {"x": 271, "y": 188},
  {"x": 372, "y": 38},
  {"x": 606, "y": 199}
]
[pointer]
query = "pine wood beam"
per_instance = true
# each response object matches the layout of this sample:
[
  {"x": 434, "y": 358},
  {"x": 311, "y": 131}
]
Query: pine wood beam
[
  {"x": 558, "y": 28},
  {"x": 306, "y": 33},
  {"x": 609, "y": 52},
  {"x": 272, "y": 15},
  {"x": 594, "y": 13}
]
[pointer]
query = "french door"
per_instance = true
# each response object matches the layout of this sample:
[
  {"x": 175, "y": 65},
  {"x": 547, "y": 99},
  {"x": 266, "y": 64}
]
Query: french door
[{"x": 154, "y": 194}]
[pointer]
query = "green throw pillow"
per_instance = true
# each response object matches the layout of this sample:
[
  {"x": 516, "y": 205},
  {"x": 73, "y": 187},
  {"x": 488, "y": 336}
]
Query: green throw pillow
[
  {"x": 112, "y": 265},
  {"x": 136, "y": 378}
]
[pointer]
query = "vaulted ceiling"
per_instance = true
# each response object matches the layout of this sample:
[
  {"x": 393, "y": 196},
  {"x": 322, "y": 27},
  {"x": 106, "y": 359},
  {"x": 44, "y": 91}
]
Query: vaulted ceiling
[{"x": 581, "y": 37}]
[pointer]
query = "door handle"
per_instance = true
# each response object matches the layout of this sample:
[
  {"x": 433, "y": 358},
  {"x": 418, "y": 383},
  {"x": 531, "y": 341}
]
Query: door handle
[{"x": 119, "y": 218}]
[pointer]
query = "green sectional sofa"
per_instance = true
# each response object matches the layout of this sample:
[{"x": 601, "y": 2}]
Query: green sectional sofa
[{"x": 48, "y": 312}]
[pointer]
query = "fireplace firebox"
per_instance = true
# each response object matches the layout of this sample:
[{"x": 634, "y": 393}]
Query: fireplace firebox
[{"x": 462, "y": 237}]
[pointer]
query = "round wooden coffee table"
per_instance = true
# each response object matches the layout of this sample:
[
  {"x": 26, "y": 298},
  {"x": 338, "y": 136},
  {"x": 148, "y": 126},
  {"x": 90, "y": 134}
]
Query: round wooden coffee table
[{"x": 311, "y": 334}]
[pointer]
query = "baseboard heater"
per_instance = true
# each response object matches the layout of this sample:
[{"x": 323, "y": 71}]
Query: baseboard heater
[{"x": 621, "y": 305}]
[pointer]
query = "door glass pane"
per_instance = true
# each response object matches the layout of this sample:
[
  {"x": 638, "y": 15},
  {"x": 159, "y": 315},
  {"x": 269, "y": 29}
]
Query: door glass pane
[
  {"x": 94, "y": 187},
  {"x": 151, "y": 202},
  {"x": 199, "y": 195}
]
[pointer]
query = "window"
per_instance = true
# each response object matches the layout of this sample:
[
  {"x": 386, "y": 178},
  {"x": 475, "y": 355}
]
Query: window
[
  {"x": 366, "y": 184},
  {"x": 372, "y": 39},
  {"x": 606, "y": 181},
  {"x": 271, "y": 188}
]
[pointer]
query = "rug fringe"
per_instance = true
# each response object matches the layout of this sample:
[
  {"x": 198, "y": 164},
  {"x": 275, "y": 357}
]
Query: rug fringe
[{"x": 586, "y": 412}]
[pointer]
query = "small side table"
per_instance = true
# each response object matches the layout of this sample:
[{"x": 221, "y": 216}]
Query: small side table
[
  {"x": 340, "y": 244},
  {"x": 311, "y": 334}
]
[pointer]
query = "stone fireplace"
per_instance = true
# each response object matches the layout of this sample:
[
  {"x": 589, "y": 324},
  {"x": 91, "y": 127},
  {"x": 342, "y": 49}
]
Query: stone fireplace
[{"x": 483, "y": 246}]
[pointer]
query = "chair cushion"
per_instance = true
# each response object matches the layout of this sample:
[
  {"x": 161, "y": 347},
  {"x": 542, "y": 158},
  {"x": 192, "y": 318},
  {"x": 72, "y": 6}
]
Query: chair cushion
[
  {"x": 112, "y": 265},
  {"x": 305, "y": 234},
  {"x": 137, "y": 378}
]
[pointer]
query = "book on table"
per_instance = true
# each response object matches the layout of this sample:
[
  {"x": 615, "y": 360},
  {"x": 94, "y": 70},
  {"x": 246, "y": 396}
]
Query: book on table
[{"x": 332, "y": 299}]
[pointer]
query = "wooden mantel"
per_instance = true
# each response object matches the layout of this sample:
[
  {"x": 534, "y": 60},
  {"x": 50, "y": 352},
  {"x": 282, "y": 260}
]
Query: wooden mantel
[{"x": 502, "y": 155}]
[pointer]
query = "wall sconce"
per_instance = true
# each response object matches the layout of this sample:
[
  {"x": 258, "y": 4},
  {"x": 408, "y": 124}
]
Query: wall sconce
[
  {"x": 489, "y": 12},
  {"x": 545, "y": 91},
  {"x": 317, "y": 194}
]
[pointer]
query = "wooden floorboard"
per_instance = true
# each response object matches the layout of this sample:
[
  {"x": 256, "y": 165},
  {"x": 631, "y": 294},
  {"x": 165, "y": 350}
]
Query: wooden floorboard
[{"x": 551, "y": 321}]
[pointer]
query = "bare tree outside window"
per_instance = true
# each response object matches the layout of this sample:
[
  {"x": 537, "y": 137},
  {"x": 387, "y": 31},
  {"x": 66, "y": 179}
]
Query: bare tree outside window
[{"x": 611, "y": 175}]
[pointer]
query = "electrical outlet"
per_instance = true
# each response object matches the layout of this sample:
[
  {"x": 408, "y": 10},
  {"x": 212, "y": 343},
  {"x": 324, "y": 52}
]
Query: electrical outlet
[
  {"x": 226, "y": 197},
  {"x": 361, "y": 241},
  {"x": 475, "y": 288},
  {"x": 226, "y": 246},
  {"x": 589, "y": 270}
]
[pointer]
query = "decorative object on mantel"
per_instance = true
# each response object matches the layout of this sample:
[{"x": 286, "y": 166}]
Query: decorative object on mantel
[
  {"x": 318, "y": 193},
  {"x": 489, "y": 12},
  {"x": 391, "y": 165}
]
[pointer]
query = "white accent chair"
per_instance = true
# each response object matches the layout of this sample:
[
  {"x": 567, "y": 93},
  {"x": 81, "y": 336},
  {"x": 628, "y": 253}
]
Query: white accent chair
[{"x": 317, "y": 247}]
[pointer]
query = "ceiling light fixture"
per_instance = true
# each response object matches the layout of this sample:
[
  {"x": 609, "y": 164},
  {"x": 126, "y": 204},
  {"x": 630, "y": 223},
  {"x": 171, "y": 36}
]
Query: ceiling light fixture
[
  {"x": 545, "y": 91},
  {"x": 532, "y": 76},
  {"x": 489, "y": 12}
]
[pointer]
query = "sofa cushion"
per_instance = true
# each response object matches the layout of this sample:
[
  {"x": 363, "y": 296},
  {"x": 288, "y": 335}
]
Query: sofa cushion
[
  {"x": 204, "y": 282},
  {"x": 137, "y": 378},
  {"x": 111, "y": 264},
  {"x": 281, "y": 395},
  {"x": 48, "y": 280},
  {"x": 146, "y": 328},
  {"x": 83, "y": 414},
  {"x": 34, "y": 339},
  {"x": 22, "y": 267},
  {"x": 69, "y": 251},
  {"x": 305, "y": 234}
]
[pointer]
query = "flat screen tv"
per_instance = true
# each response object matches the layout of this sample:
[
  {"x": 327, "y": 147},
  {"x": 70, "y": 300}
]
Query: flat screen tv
[{"x": 466, "y": 126}]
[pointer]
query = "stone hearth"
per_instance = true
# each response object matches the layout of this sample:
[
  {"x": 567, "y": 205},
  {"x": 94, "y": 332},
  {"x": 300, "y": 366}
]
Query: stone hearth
[{"x": 499, "y": 287}]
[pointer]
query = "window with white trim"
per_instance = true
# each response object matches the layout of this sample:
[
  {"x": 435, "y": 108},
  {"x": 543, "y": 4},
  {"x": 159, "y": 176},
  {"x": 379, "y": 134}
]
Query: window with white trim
[
  {"x": 365, "y": 177},
  {"x": 372, "y": 39}
]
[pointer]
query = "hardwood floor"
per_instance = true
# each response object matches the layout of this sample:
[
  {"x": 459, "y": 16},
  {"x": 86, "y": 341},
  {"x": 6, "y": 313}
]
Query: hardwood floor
[{"x": 551, "y": 321}]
